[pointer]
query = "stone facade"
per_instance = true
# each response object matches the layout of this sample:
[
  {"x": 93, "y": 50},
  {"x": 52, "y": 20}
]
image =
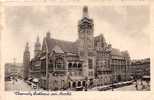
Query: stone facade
[
  {"x": 87, "y": 62},
  {"x": 103, "y": 60},
  {"x": 120, "y": 63}
]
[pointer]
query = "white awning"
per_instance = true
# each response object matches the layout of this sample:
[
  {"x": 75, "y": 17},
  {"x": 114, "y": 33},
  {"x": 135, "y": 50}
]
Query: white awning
[
  {"x": 35, "y": 80},
  {"x": 42, "y": 58}
]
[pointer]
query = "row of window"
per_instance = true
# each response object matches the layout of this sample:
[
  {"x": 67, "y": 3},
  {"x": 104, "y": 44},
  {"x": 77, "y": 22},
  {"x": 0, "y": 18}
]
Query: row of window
[
  {"x": 90, "y": 73},
  {"x": 75, "y": 65},
  {"x": 118, "y": 61},
  {"x": 75, "y": 73},
  {"x": 103, "y": 72},
  {"x": 60, "y": 64},
  {"x": 102, "y": 54}
]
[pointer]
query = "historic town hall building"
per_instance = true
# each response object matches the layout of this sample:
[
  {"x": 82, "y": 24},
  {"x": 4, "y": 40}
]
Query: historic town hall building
[{"x": 89, "y": 61}]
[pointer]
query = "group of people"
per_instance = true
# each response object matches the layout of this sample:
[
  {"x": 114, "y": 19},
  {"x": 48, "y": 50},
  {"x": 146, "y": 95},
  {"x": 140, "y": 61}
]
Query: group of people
[{"x": 141, "y": 85}]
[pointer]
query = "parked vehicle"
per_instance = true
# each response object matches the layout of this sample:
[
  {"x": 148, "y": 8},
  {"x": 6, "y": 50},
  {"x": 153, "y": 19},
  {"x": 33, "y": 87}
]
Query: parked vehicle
[
  {"x": 34, "y": 86},
  {"x": 28, "y": 82},
  {"x": 79, "y": 88},
  {"x": 104, "y": 88}
]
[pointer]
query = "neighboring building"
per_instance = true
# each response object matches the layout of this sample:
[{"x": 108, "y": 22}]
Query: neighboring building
[
  {"x": 140, "y": 67},
  {"x": 120, "y": 63},
  {"x": 13, "y": 69},
  {"x": 26, "y": 61},
  {"x": 103, "y": 60},
  {"x": 86, "y": 62}
]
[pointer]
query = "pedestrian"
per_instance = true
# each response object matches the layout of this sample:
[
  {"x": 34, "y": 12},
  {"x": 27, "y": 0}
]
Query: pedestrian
[
  {"x": 143, "y": 87},
  {"x": 136, "y": 85}
]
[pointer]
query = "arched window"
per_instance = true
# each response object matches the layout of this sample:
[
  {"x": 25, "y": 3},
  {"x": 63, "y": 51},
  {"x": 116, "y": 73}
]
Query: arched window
[
  {"x": 75, "y": 65},
  {"x": 59, "y": 63},
  {"x": 84, "y": 83},
  {"x": 79, "y": 65},
  {"x": 69, "y": 84},
  {"x": 74, "y": 84},
  {"x": 79, "y": 83},
  {"x": 69, "y": 65}
]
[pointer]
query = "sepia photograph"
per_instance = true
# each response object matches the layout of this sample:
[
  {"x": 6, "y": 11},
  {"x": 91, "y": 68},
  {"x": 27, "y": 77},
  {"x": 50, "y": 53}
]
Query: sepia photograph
[{"x": 76, "y": 48}]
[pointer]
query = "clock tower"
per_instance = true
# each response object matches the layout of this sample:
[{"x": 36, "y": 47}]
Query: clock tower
[
  {"x": 26, "y": 61},
  {"x": 86, "y": 42}
]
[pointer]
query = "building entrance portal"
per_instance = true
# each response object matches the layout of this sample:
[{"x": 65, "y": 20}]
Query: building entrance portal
[{"x": 74, "y": 84}]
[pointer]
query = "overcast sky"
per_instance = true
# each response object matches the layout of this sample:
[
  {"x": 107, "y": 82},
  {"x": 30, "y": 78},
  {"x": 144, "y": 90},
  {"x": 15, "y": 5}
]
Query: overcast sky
[{"x": 125, "y": 27}]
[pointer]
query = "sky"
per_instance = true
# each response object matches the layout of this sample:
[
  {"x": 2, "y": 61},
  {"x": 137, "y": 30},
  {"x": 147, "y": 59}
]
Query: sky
[{"x": 125, "y": 27}]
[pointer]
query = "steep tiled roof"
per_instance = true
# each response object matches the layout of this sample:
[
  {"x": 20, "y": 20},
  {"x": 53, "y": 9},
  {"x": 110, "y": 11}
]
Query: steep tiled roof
[
  {"x": 99, "y": 36},
  {"x": 66, "y": 46},
  {"x": 125, "y": 53},
  {"x": 116, "y": 52}
]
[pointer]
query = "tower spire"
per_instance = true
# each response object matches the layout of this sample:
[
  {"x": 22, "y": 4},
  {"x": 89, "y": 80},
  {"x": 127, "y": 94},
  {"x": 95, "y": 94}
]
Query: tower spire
[
  {"x": 85, "y": 11},
  {"x": 27, "y": 47},
  {"x": 37, "y": 47}
]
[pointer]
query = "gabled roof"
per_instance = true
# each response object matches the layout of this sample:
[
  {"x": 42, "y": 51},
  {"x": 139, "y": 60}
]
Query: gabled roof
[
  {"x": 57, "y": 49},
  {"x": 65, "y": 46},
  {"x": 125, "y": 53}
]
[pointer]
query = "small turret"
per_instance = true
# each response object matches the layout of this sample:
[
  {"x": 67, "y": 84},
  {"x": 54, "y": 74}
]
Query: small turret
[{"x": 37, "y": 47}]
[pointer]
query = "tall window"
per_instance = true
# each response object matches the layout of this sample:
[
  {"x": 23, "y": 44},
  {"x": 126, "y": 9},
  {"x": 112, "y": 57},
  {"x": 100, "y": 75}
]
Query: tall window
[
  {"x": 90, "y": 63},
  {"x": 75, "y": 65},
  {"x": 70, "y": 65},
  {"x": 79, "y": 65},
  {"x": 59, "y": 63}
]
